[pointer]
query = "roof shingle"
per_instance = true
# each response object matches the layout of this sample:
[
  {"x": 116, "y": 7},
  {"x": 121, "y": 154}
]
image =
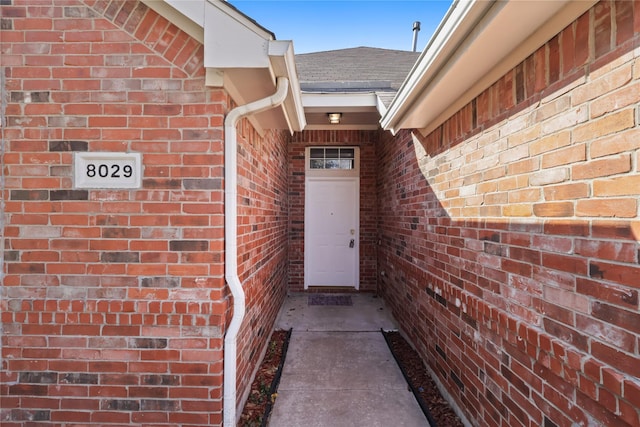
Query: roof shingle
[{"x": 355, "y": 69}]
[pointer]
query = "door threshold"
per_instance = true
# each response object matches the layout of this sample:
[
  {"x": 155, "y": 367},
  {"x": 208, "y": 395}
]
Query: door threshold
[{"x": 332, "y": 289}]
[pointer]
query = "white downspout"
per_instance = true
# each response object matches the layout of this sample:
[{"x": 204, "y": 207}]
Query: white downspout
[{"x": 231, "y": 239}]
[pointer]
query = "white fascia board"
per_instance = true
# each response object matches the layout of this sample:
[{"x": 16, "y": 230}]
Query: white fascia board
[
  {"x": 382, "y": 109},
  {"x": 192, "y": 9},
  {"x": 474, "y": 46},
  {"x": 221, "y": 29},
  {"x": 339, "y": 100},
  {"x": 225, "y": 7},
  {"x": 283, "y": 64},
  {"x": 232, "y": 40}
]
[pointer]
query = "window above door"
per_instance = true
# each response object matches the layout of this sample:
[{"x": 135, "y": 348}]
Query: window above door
[{"x": 332, "y": 161}]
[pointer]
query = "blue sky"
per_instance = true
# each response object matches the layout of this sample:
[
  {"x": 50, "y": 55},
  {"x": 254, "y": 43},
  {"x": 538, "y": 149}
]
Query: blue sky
[{"x": 319, "y": 25}]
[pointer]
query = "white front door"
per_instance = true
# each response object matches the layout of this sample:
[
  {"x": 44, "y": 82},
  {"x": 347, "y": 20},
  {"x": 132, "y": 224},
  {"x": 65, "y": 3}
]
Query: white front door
[{"x": 332, "y": 231}]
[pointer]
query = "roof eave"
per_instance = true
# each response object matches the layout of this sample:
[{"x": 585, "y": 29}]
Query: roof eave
[
  {"x": 283, "y": 63},
  {"x": 359, "y": 110},
  {"x": 253, "y": 57},
  {"x": 469, "y": 52}
]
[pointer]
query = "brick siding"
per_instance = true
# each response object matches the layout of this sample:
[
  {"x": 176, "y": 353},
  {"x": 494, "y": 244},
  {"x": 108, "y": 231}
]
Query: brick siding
[
  {"x": 510, "y": 247},
  {"x": 508, "y": 236},
  {"x": 114, "y": 302},
  {"x": 262, "y": 241}
]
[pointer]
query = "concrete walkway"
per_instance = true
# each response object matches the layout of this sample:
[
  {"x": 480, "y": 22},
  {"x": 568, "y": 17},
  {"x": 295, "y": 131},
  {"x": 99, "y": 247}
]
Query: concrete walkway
[{"x": 339, "y": 370}]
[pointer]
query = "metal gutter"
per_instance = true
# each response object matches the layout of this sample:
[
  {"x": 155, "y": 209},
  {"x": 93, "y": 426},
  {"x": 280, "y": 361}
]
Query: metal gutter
[{"x": 458, "y": 21}]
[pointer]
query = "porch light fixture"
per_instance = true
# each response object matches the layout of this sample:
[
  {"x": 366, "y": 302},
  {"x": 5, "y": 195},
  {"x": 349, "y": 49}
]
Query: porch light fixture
[{"x": 334, "y": 118}]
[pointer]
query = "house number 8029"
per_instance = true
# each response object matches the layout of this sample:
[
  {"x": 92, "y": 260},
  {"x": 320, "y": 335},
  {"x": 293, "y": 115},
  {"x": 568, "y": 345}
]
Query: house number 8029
[
  {"x": 114, "y": 170},
  {"x": 107, "y": 170}
]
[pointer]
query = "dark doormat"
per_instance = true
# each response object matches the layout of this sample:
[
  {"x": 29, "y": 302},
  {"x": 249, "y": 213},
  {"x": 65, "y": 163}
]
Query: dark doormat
[{"x": 320, "y": 299}]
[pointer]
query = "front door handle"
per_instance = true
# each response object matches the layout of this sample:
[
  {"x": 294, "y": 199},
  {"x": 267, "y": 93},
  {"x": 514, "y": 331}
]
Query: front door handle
[{"x": 352, "y": 243}]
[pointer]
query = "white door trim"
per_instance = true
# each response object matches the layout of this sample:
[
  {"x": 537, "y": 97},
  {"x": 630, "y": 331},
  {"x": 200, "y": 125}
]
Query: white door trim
[{"x": 352, "y": 230}]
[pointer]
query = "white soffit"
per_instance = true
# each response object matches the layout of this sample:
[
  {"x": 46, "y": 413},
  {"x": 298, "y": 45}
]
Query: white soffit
[
  {"x": 476, "y": 44},
  {"x": 359, "y": 110}
]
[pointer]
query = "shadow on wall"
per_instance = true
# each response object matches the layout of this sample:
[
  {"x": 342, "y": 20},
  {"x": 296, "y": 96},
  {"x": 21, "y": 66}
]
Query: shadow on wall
[{"x": 511, "y": 258}]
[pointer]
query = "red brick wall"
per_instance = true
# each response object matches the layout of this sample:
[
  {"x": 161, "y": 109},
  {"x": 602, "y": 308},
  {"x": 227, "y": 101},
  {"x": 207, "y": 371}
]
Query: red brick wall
[
  {"x": 262, "y": 240},
  {"x": 368, "y": 208},
  {"x": 113, "y": 301},
  {"x": 510, "y": 247}
]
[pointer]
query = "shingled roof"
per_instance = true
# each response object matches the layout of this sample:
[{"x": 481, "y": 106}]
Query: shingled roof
[
  {"x": 354, "y": 69},
  {"x": 359, "y": 83}
]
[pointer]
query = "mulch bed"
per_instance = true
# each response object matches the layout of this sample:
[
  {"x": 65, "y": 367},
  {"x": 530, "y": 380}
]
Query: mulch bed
[
  {"x": 264, "y": 388},
  {"x": 435, "y": 407},
  {"x": 265, "y": 385}
]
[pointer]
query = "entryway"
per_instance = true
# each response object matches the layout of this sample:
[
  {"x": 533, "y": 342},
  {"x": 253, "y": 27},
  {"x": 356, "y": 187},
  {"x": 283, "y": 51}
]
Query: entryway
[
  {"x": 339, "y": 371},
  {"x": 332, "y": 211}
]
